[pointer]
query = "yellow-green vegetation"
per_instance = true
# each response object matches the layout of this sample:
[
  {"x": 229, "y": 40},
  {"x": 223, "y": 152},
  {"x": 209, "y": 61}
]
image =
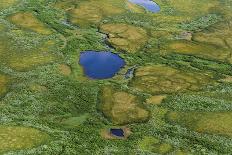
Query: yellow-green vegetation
[
  {"x": 185, "y": 7},
  {"x": 153, "y": 144},
  {"x": 157, "y": 99},
  {"x": 6, "y": 3},
  {"x": 16, "y": 138},
  {"x": 4, "y": 80},
  {"x": 29, "y": 21},
  {"x": 160, "y": 79},
  {"x": 22, "y": 60},
  {"x": 204, "y": 122},
  {"x": 92, "y": 11},
  {"x": 125, "y": 37},
  {"x": 29, "y": 60},
  {"x": 121, "y": 107},
  {"x": 219, "y": 35},
  {"x": 200, "y": 49},
  {"x": 173, "y": 96},
  {"x": 227, "y": 79},
  {"x": 65, "y": 69},
  {"x": 37, "y": 88}
]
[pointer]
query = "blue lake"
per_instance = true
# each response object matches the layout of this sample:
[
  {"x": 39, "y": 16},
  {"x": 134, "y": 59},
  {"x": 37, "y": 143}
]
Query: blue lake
[
  {"x": 147, "y": 4},
  {"x": 117, "y": 132},
  {"x": 100, "y": 65}
]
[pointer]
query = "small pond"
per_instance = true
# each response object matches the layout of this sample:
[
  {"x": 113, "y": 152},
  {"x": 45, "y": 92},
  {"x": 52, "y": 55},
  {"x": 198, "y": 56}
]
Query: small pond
[
  {"x": 147, "y": 4},
  {"x": 117, "y": 132},
  {"x": 100, "y": 65}
]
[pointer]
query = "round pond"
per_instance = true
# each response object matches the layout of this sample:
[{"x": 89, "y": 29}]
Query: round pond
[{"x": 100, "y": 65}]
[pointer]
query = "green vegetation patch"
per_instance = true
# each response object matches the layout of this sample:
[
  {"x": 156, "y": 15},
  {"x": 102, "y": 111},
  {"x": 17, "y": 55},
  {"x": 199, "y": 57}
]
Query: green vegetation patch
[
  {"x": 154, "y": 145},
  {"x": 28, "y": 21},
  {"x": 199, "y": 49},
  {"x": 20, "y": 59},
  {"x": 219, "y": 35},
  {"x": 74, "y": 121},
  {"x": 16, "y": 138},
  {"x": 92, "y": 12},
  {"x": 6, "y": 3},
  {"x": 121, "y": 107},
  {"x": 204, "y": 122},
  {"x": 160, "y": 79},
  {"x": 4, "y": 80},
  {"x": 125, "y": 37}
]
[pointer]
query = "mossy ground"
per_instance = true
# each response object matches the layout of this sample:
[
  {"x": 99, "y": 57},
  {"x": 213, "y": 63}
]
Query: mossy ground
[
  {"x": 16, "y": 138},
  {"x": 121, "y": 107},
  {"x": 177, "y": 102},
  {"x": 125, "y": 37}
]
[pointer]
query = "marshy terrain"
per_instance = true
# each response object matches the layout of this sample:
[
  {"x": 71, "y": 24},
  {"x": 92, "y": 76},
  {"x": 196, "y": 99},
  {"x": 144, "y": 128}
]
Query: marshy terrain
[{"x": 118, "y": 77}]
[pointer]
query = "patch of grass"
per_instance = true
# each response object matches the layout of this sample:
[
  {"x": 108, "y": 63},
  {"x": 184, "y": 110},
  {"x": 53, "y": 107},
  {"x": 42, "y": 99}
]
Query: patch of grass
[
  {"x": 21, "y": 59},
  {"x": 16, "y": 138},
  {"x": 121, "y": 107},
  {"x": 65, "y": 69},
  {"x": 6, "y": 3},
  {"x": 199, "y": 49},
  {"x": 4, "y": 80},
  {"x": 74, "y": 121},
  {"x": 218, "y": 35},
  {"x": 204, "y": 122},
  {"x": 160, "y": 79},
  {"x": 28, "y": 21},
  {"x": 157, "y": 100},
  {"x": 92, "y": 12},
  {"x": 154, "y": 145},
  {"x": 125, "y": 37},
  {"x": 201, "y": 23}
]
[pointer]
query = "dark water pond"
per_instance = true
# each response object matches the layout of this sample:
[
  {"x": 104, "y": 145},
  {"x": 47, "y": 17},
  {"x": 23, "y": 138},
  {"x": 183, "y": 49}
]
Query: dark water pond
[
  {"x": 117, "y": 132},
  {"x": 148, "y": 4},
  {"x": 100, "y": 65}
]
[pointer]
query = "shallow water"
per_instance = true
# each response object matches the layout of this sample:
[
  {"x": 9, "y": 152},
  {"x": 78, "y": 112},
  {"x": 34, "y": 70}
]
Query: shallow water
[
  {"x": 117, "y": 132},
  {"x": 147, "y": 4},
  {"x": 101, "y": 65}
]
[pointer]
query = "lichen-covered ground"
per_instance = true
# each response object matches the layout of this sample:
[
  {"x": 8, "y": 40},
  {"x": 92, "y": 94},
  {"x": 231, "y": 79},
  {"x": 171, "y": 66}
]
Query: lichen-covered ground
[{"x": 179, "y": 100}]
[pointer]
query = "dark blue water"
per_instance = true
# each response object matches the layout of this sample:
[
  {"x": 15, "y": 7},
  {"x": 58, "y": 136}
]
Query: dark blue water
[
  {"x": 117, "y": 132},
  {"x": 148, "y": 4},
  {"x": 100, "y": 65}
]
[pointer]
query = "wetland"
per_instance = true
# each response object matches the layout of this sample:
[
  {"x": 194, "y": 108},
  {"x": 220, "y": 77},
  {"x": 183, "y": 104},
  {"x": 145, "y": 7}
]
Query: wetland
[{"x": 115, "y": 77}]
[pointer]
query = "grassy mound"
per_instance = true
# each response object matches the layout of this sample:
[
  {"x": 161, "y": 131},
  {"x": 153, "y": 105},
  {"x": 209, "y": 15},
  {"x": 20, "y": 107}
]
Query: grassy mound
[
  {"x": 6, "y": 3},
  {"x": 28, "y": 21},
  {"x": 125, "y": 37},
  {"x": 204, "y": 122},
  {"x": 92, "y": 12},
  {"x": 20, "y": 59},
  {"x": 4, "y": 80},
  {"x": 121, "y": 107},
  {"x": 199, "y": 49},
  {"x": 159, "y": 79},
  {"x": 154, "y": 145},
  {"x": 16, "y": 138}
]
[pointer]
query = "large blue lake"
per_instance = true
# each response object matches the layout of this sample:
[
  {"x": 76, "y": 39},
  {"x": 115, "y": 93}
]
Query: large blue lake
[
  {"x": 148, "y": 4},
  {"x": 100, "y": 65}
]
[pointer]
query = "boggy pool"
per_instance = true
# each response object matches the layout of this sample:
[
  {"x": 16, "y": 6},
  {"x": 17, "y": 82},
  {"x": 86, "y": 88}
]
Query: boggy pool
[{"x": 100, "y": 65}]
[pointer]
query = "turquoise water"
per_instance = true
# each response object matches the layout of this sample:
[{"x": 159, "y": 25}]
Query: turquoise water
[
  {"x": 100, "y": 65},
  {"x": 147, "y": 4}
]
